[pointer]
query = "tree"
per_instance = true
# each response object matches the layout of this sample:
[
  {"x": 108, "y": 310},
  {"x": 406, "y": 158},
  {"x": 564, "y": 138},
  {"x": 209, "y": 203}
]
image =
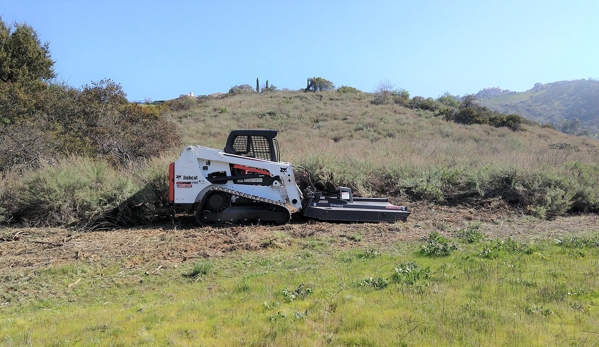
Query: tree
[
  {"x": 469, "y": 116},
  {"x": 468, "y": 101},
  {"x": 319, "y": 84},
  {"x": 401, "y": 97},
  {"x": 573, "y": 126},
  {"x": 268, "y": 87},
  {"x": 448, "y": 100},
  {"x": 25, "y": 64},
  {"x": 242, "y": 89},
  {"x": 41, "y": 120},
  {"x": 383, "y": 92},
  {"x": 423, "y": 104},
  {"x": 257, "y": 85},
  {"x": 23, "y": 57}
]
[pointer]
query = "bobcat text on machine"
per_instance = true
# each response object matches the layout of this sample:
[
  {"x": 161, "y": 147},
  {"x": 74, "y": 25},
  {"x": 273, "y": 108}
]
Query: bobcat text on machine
[{"x": 246, "y": 183}]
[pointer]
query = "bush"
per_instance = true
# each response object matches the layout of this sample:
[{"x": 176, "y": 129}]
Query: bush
[
  {"x": 242, "y": 89},
  {"x": 578, "y": 241},
  {"x": 182, "y": 103},
  {"x": 437, "y": 246},
  {"x": 347, "y": 89},
  {"x": 511, "y": 121},
  {"x": 86, "y": 193},
  {"x": 410, "y": 273},
  {"x": 74, "y": 192},
  {"x": 401, "y": 97},
  {"x": 468, "y": 116},
  {"x": 96, "y": 121},
  {"x": 471, "y": 234},
  {"x": 449, "y": 100},
  {"x": 301, "y": 292},
  {"x": 498, "y": 248},
  {"x": 377, "y": 283},
  {"x": 423, "y": 104}
]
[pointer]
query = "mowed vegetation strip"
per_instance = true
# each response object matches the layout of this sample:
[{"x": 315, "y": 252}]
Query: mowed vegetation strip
[{"x": 309, "y": 291}]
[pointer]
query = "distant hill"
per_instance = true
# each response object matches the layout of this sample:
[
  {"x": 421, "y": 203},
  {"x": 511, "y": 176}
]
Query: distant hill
[{"x": 571, "y": 106}]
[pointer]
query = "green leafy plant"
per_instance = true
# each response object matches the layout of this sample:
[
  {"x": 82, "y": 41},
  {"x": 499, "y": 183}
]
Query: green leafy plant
[
  {"x": 436, "y": 245},
  {"x": 471, "y": 234},
  {"x": 578, "y": 241},
  {"x": 498, "y": 248},
  {"x": 377, "y": 283},
  {"x": 347, "y": 89},
  {"x": 538, "y": 310},
  {"x": 300, "y": 292},
  {"x": 368, "y": 254},
  {"x": 410, "y": 273}
]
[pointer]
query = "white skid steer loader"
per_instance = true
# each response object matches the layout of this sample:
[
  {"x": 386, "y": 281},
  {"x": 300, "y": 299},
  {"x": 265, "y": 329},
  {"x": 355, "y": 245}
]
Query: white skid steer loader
[{"x": 246, "y": 183}]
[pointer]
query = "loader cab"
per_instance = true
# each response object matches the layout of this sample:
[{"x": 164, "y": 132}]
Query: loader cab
[{"x": 260, "y": 144}]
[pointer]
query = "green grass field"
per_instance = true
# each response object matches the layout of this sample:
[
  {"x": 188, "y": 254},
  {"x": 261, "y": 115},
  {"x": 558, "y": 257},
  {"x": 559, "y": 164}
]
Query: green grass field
[{"x": 311, "y": 292}]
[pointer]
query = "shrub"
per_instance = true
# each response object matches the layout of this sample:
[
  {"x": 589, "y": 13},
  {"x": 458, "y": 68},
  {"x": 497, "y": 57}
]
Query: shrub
[
  {"x": 471, "y": 234},
  {"x": 468, "y": 116},
  {"x": 511, "y": 121},
  {"x": 401, "y": 97},
  {"x": 347, "y": 89},
  {"x": 182, "y": 103},
  {"x": 498, "y": 248},
  {"x": 377, "y": 283},
  {"x": 74, "y": 192},
  {"x": 86, "y": 193},
  {"x": 448, "y": 100},
  {"x": 436, "y": 245},
  {"x": 299, "y": 293},
  {"x": 96, "y": 121},
  {"x": 383, "y": 93},
  {"x": 423, "y": 104},
  {"x": 149, "y": 203},
  {"x": 410, "y": 273},
  {"x": 368, "y": 254},
  {"x": 578, "y": 241},
  {"x": 242, "y": 89}
]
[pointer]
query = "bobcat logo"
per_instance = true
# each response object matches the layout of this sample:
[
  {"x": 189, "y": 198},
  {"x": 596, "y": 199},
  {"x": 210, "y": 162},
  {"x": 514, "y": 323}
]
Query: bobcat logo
[{"x": 283, "y": 170}]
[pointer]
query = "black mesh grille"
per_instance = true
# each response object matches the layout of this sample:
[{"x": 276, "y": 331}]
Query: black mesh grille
[{"x": 252, "y": 146}]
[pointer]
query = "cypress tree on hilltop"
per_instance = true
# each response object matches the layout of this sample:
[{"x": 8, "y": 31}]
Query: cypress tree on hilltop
[{"x": 257, "y": 85}]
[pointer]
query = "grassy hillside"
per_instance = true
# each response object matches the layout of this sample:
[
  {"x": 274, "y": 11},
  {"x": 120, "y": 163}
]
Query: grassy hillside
[
  {"x": 555, "y": 103},
  {"x": 344, "y": 139},
  {"x": 405, "y": 153}
]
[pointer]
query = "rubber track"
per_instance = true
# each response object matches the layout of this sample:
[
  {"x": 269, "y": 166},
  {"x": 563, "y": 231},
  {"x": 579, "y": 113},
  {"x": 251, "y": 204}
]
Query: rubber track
[{"x": 249, "y": 196}]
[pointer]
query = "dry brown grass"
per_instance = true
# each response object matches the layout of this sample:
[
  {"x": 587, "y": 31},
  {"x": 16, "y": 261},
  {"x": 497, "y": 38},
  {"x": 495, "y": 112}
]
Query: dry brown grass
[
  {"x": 345, "y": 128},
  {"x": 26, "y": 249}
]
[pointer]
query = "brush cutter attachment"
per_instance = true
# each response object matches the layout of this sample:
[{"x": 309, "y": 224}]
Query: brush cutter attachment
[{"x": 343, "y": 207}]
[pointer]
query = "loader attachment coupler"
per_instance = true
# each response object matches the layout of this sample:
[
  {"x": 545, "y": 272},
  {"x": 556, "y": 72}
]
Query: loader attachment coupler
[{"x": 343, "y": 207}]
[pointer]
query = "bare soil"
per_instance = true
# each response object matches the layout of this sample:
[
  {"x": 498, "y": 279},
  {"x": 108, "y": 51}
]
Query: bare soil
[{"x": 179, "y": 241}]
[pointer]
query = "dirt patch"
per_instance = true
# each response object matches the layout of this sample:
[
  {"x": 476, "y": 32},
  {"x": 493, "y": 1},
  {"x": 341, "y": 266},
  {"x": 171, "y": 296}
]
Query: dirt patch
[{"x": 179, "y": 241}]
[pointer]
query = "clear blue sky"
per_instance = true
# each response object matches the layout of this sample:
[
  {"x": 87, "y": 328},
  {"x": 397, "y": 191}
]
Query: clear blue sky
[{"x": 161, "y": 49}]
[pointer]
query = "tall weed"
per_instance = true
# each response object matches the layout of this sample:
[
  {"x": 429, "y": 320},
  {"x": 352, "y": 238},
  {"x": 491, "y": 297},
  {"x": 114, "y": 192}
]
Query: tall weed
[{"x": 74, "y": 192}]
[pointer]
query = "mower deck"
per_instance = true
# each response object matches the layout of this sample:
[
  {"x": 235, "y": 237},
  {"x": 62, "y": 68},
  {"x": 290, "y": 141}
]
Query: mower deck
[{"x": 343, "y": 207}]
